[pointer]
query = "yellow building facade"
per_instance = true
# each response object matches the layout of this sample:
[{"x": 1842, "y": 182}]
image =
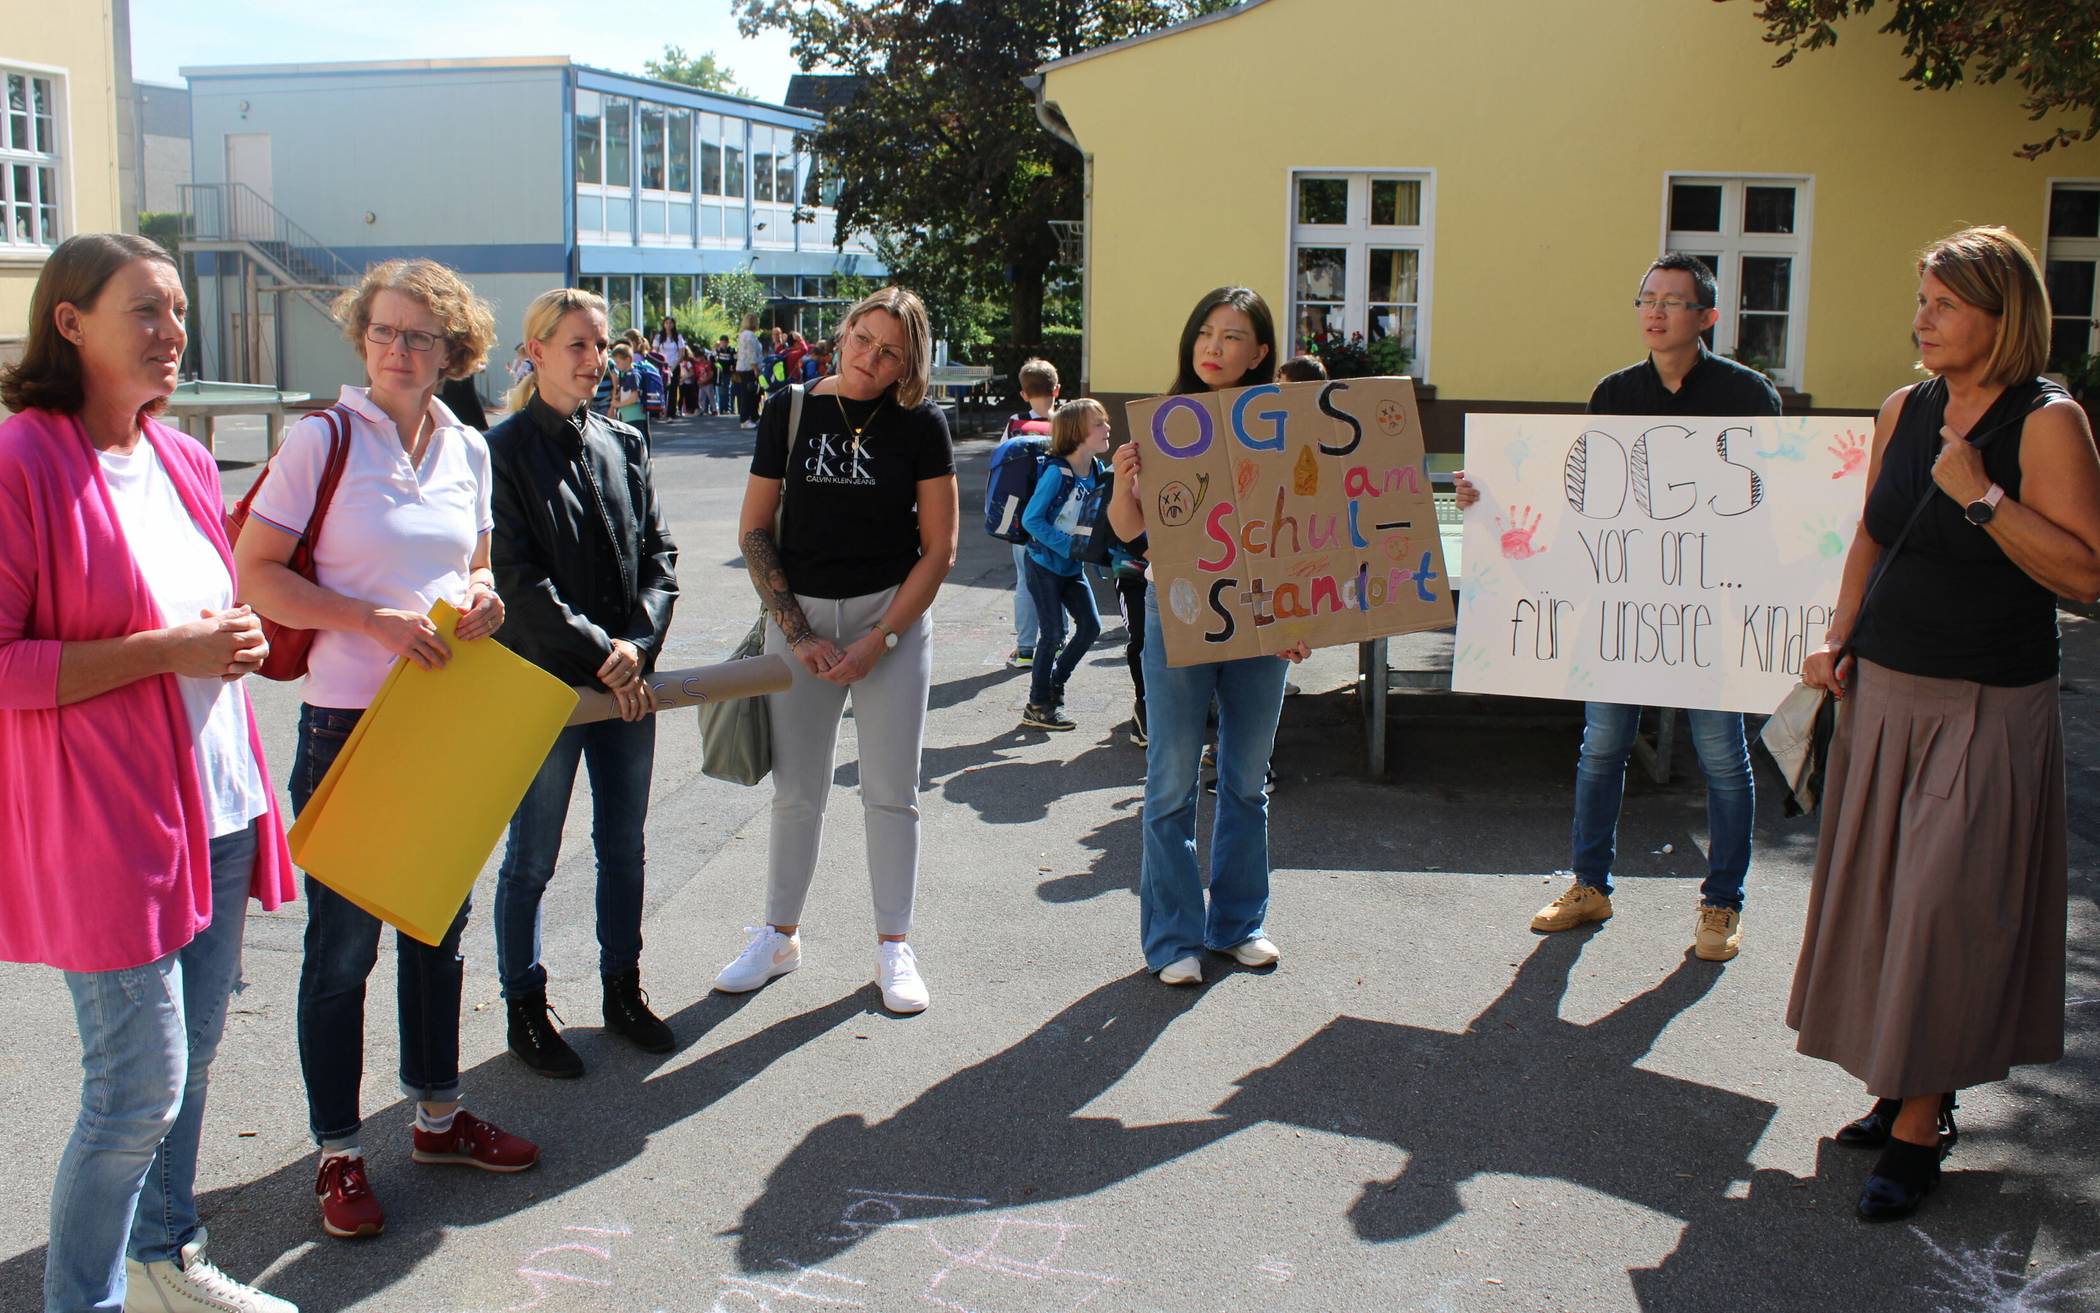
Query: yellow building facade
[
  {"x": 61, "y": 85},
  {"x": 1488, "y": 179}
]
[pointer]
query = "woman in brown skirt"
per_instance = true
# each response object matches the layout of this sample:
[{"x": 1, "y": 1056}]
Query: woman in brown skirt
[{"x": 1933, "y": 956}]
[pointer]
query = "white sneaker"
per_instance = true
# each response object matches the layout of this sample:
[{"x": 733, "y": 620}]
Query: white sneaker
[
  {"x": 189, "y": 1283},
  {"x": 769, "y": 954},
  {"x": 1255, "y": 952},
  {"x": 897, "y": 971},
  {"x": 1182, "y": 971}
]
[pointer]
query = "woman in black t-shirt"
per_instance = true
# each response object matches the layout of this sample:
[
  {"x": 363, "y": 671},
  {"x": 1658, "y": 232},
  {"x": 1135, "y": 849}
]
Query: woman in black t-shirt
[
  {"x": 1933, "y": 955},
  {"x": 867, "y": 535}
]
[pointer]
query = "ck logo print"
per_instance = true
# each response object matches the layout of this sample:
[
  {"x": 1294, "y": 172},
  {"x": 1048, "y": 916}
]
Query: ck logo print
[{"x": 837, "y": 461}]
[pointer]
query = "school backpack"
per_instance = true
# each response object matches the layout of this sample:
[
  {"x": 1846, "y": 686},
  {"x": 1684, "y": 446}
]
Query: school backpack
[
  {"x": 1015, "y": 466},
  {"x": 1098, "y": 541},
  {"x": 652, "y": 389}
]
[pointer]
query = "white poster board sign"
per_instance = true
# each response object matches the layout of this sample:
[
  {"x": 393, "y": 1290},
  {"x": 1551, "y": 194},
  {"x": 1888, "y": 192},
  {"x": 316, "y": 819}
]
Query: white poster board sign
[{"x": 1660, "y": 561}]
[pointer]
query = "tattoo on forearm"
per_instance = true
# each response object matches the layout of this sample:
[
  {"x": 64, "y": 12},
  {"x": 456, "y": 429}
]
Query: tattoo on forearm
[{"x": 769, "y": 577}]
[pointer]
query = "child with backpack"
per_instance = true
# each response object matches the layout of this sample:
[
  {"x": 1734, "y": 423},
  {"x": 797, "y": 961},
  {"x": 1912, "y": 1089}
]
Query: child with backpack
[
  {"x": 699, "y": 383},
  {"x": 1013, "y": 469},
  {"x": 1059, "y": 534},
  {"x": 625, "y": 398}
]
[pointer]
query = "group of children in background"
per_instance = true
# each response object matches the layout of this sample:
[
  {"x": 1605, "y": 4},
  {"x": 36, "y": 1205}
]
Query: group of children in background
[{"x": 1064, "y": 445}]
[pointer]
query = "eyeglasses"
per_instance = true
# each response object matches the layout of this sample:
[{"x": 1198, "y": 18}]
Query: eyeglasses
[
  {"x": 1669, "y": 305},
  {"x": 884, "y": 353},
  {"x": 415, "y": 339}
]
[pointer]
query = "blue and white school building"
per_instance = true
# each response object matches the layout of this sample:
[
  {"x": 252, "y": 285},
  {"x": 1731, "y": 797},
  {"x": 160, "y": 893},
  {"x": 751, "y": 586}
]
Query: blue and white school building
[{"x": 521, "y": 173}]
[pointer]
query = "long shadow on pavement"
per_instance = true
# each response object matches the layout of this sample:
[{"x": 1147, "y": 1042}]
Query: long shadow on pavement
[
  {"x": 608, "y": 1125},
  {"x": 1519, "y": 1092}
]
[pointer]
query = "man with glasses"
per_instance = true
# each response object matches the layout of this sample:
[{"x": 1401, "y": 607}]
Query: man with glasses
[{"x": 1676, "y": 306}]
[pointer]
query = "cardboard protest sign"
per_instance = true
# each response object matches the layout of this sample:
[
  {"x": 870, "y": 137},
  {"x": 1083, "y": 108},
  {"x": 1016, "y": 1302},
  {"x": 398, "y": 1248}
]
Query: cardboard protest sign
[
  {"x": 1674, "y": 562},
  {"x": 1288, "y": 511},
  {"x": 415, "y": 802}
]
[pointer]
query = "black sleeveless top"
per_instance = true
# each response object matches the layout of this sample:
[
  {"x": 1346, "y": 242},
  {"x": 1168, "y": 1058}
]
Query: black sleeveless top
[{"x": 1953, "y": 605}]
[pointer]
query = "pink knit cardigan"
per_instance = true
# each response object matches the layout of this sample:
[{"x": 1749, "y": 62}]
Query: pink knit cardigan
[{"x": 104, "y": 856}]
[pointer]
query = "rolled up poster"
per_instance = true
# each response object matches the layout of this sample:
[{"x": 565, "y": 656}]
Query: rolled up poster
[{"x": 746, "y": 678}]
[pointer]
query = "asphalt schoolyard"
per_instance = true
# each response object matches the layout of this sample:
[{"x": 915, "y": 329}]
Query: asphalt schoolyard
[{"x": 1424, "y": 1107}]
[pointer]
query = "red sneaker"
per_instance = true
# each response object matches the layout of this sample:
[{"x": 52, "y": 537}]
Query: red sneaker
[
  {"x": 473, "y": 1142},
  {"x": 348, "y": 1206}
]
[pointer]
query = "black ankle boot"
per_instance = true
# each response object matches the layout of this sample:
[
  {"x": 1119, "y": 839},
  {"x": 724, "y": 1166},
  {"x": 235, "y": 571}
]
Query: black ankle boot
[
  {"x": 627, "y": 1014},
  {"x": 535, "y": 1040},
  {"x": 1905, "y": 1173},
  {"x": 1872, "y": 1130}
]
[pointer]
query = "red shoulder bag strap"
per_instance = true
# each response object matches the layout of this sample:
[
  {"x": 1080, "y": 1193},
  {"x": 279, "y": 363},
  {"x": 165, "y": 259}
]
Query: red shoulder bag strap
[{"x": 338, "y": 421}]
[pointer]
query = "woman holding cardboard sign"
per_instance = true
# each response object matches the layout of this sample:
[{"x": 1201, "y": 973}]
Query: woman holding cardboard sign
[
  {"x": 1228, "y": 342},
  {"x": 1933, "y": 955},
  {"x": 407, "y": 524},
  {"x": 139, "y": 818}
]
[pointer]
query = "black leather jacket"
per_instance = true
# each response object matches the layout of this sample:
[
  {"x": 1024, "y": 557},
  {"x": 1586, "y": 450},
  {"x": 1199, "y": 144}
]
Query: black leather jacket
[{"x": 580, "y": 551}]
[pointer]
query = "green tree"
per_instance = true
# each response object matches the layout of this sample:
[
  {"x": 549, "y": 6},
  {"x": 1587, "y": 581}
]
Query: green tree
[
  {"x": 738, "y": 291},
  {"x": 702, "y": 70},
  {"x": 940, "y": 152},
  {"x": 2051, "y": 47}
]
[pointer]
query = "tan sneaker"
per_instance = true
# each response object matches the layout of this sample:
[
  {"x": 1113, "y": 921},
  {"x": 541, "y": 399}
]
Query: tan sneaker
[
  {"x": 1720, "y": 933},
  {"x": 1578, "y": 906}
]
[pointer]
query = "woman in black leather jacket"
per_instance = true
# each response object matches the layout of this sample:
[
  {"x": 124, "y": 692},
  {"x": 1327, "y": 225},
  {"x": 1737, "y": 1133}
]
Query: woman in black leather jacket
[{"x": 581, "y": 549}]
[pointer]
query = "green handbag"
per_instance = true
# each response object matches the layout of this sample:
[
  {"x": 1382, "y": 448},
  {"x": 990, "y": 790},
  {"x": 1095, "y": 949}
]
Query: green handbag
[{"x": 736, "y": 736}]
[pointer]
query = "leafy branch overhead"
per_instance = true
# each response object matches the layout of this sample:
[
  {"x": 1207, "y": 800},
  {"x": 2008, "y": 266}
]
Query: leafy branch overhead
[
  {"x": 939, "y": 149},
  {"x": 702, "y": 70},
  {"x": 2050, "y": 47}
]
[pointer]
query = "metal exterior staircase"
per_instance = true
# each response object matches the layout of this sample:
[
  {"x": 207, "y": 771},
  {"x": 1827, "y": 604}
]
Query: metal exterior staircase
[
  {"x": 232, "y": 217},
  {"x": 255, "y": 259}
]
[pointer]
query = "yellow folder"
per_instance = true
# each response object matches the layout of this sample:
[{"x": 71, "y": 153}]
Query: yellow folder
[{"x": 404, "y": 820}]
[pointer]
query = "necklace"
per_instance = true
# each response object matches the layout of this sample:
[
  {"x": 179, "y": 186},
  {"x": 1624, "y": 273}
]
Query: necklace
[{"x": 862, "y": 427}]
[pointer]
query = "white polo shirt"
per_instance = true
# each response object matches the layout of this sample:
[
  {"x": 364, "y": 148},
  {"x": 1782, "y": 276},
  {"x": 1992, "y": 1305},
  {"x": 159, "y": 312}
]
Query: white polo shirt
[{"x": 395, "y": 537}]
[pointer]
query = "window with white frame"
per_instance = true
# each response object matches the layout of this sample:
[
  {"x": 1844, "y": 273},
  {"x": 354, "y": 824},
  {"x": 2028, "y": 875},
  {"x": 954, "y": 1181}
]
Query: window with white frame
[
  {"x": 1753, "y": 233},
  {"x": 29, "y": 161},
  {"x": 664, "y": 139},
  {"x": 773, "y": 191},
  {"x": 1360, "y": 262},
  {"x": 721, "y": 152},
  {"x": 604, "y": 167},
  {"x": 2073, "y": 259}
]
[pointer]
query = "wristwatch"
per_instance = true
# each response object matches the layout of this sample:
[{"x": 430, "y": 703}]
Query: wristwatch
[
  {"x": 1985, "y": 508},
  {"x": 889, "y": 637}
]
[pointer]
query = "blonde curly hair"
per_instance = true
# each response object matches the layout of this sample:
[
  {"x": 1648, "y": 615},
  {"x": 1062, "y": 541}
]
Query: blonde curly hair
[{"x": 469, "y": 328}]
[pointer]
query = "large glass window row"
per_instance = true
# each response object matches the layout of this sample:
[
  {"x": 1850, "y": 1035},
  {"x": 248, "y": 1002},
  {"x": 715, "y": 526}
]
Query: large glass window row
[{"x": 667, "y": 175}]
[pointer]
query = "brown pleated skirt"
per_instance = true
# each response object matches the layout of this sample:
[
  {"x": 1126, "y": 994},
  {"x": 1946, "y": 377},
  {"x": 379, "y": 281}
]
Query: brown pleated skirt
[{"x": 1933, "y": 956}]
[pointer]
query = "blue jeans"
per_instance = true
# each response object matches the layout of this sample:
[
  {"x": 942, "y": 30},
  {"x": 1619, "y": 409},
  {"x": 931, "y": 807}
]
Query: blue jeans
[
  {"x": 147, "y": 1037},
  {"x": 342, "y": 947},
  {"x": 1057, "y": 596},
  {"x": 1600, "y": 785},
  {"x": 1025, "y": 624},
  {"x": 1172, "y": 922},
  {"x": 620, "y": 756}
]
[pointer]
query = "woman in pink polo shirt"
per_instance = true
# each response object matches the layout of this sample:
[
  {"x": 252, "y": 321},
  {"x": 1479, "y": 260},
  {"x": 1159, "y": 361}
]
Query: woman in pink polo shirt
[
  {"x": 139, "y": 818},
  {"x": 409, "y": 523}
]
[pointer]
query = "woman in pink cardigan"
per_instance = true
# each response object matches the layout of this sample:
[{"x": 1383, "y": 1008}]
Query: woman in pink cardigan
[{"x": 142, "y": 821}]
